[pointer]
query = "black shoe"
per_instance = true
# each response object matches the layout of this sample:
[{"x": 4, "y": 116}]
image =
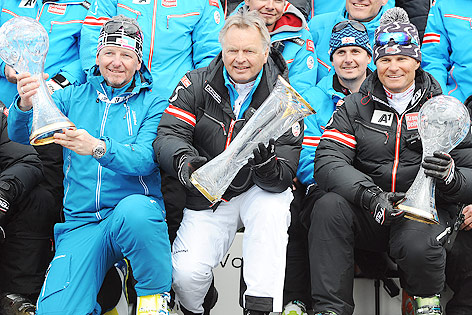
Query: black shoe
[
  {"x": 210, "y": 299},
  {"x": 16, "y": 304}
]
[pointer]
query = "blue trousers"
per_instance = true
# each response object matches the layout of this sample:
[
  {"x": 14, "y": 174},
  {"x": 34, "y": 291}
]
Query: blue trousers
[{"x": 135, "y": 229}]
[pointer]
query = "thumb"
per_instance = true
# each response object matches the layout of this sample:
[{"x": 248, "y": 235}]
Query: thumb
[{"x": 397, "y": 196}]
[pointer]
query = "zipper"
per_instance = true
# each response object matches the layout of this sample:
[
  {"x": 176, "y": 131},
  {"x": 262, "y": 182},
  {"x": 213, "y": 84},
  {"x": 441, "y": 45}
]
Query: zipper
[
  {"x": 40, "y": 12},
  {"x": 128, "y": 119},
  {"x": 153, "y": 34},
  {"x": 216, "y": 121},
  {"x": 64, "y": 23},
  {"x": 373, "y": 129},
  {"x": 99, "y": 170},
  {"x": 230, "y": 131},
  {"x": 69, "y": 162},
  {"x": 180, "y": 16},
  {"x": 396, "y": 161}
]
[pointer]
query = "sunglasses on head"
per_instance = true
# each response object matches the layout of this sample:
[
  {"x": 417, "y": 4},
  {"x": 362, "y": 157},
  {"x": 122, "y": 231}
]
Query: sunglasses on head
[
  {"x": 400, "y": 38},
  {"x": 356, "y": 25},
  {"x": 128, "y": 28}
]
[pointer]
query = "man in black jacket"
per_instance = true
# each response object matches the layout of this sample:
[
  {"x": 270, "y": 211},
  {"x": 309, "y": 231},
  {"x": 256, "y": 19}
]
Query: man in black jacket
[
  {"x": 208, "y": 109},
  {"x": 26, "y": 222},
  {"x": 367, "y": 158}
]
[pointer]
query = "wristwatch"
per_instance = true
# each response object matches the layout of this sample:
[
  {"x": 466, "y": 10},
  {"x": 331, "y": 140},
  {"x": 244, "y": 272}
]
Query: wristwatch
[{"x": 99, "y": 150}]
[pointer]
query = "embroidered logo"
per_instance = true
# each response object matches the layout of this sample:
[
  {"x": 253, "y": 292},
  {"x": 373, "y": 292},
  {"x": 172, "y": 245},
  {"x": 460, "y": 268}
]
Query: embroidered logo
[
  {"x": 296, "y": 129},
  {"x": 411, "y": 121},
  {"x": 213, "y": 93},
  {"x": 310, "y": 45},
  {"x": 141, "y": 1},
  {"x": 348, "y": 40},
  {"x": 217, "y": 17},
  {"x": 59, "y": 9},
  {"x": 169, "y": 3},
  {"x": 214, "y": 3},
  {"x": 185, "y": 81},
  {"x": 310, "y": 62},
  {"x": 381, "y": 117}
]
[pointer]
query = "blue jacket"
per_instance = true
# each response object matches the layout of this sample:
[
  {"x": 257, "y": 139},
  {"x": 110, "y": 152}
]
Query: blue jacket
[
  {"x": 291, "y": 37},
  {"x": 324, "y": 99},
  {"x": 126, "y": 119},
  {"x": 322, "y": 26},
  {"x": 63, "y": 21},
  {"x": 179, "y": 35},
  {"x": 446, "y": 54}
]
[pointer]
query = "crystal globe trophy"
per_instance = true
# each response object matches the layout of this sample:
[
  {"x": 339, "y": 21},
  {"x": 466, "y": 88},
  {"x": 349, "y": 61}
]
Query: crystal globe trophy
[
  {"x": 443, "y": 122},
  {"x": 23, "y": 46},
  {"x": 277, "y": 114}
]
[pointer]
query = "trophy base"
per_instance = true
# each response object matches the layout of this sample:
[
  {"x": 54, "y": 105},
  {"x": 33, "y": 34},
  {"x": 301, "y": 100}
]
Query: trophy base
[
  {"x": 204, "y": 192},
  {"x": 44, "y": 135},
  {"x": 419, "y": 215}
]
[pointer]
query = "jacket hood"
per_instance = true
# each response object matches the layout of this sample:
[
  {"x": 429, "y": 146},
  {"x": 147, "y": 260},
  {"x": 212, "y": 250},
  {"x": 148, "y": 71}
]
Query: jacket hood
[
  {"x": 424, "y": 82},
  {"x": 291, "y": 21},
  {"x": 142, "y": 79}
]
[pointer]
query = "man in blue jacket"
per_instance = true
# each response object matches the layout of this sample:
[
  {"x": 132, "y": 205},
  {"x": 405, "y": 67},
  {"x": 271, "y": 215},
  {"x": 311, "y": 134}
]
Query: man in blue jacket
[
  {"x": 288, "y": 34},
  {"x": 446, "y": 54},
  {"x": 63, "y": 21},
  {"x": 179, "y": 35},
  {"x": 367, "y": 12},
  {"x": 113, "y": 206},
  {"x": 350, "y": 53}
]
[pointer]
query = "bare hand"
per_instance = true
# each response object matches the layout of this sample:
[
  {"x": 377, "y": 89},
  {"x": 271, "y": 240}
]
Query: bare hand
[
  {"x": 11, "y": 74},
  {"x": 27, "y": 86},
  {"x": 467, "y": 225},
  {"x": 78, "y": 140}
]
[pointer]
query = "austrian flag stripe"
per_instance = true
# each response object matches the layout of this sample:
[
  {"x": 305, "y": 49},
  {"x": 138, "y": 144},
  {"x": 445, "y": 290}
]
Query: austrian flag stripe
[
  {"x": 431, "y": 38},
  {"x": 344, "y": 138},
  {"x": 181, "y": 114},
  {"x": 311, "y": 141}
]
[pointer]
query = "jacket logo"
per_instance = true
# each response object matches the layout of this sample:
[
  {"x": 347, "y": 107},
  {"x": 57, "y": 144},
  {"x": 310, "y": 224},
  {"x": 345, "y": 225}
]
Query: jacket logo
[
  {"x": 27, "y": 3},
  {"x": 185, "y": 81},
  {"x": 59, "y": 9},
  {"x": 141, "y": 1},
  {"x": 411, "y": 121},
  {"x": 310, "y": 46},
  {"x": 169, "y": 3},
  {"x": 214, "y": 3},
  {"x": 381, "y": 117},
  {"x": 310, "y": 62},
  {"x": 416, "y": 97},
  {"x": 213, "y": 93}
]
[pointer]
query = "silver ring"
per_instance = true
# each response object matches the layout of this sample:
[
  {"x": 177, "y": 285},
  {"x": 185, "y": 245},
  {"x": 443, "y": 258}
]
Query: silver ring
[{"x": 22, "y": 91}]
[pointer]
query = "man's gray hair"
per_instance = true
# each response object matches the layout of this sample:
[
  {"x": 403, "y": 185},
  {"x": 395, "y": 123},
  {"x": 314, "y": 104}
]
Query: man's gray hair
[{"x": 244, "y": 19}]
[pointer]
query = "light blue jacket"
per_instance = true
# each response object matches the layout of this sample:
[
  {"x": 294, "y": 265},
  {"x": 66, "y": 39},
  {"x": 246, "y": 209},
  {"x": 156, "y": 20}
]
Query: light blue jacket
[
  {"x": 126, "y": 119},
  {"x": 446, "y": 50},
  {"x": 179, "y": 35},
  {"x": 323, "y": 99},
  {"x": 322, "y": 26},
  {"x": 63, "y": 21},
  {"x": 298, "y": 50}
]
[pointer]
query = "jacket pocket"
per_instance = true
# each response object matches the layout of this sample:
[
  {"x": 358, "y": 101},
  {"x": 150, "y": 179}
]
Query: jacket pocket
[
  {"x": 126, "y": 10},
  {"x": 57, "y": 276}
]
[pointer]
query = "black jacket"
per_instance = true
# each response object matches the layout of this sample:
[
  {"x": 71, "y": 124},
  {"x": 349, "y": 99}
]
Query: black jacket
[
  {"x": 202, "y": 94},
  {"x": 356, "y": 153},
  {"x": 19, "y": 164}
]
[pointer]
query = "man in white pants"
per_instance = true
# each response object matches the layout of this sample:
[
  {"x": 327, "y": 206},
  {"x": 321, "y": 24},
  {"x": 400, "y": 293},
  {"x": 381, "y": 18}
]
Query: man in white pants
[{"x": 208, "y": 108}]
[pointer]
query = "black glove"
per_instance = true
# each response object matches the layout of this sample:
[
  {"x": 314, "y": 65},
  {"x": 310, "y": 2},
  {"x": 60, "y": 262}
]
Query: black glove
[
  {"x": 188, "y": 165},
  {"x": 264, "y": 162},
  {"x": 4, "y": 207},
  {"x": 382, "y": 205},
  {"x": 440, "y": 166}
]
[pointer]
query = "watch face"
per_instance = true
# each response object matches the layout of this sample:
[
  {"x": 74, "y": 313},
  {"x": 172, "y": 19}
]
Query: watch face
[{"x": 99, "y": 151}]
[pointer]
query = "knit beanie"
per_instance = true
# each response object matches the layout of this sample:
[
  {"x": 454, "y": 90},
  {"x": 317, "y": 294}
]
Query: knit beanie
[
  {"x": 396, "y": 36},
  {"x": 124, "y": 32},
  {"x": 348, "y": 36}
]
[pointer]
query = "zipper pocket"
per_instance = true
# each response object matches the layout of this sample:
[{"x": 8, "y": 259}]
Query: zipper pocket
[
  {"x": 216, "y": 121},
  {"x": 373, "y": 129},
  {"x": 180, "y": 16}
]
